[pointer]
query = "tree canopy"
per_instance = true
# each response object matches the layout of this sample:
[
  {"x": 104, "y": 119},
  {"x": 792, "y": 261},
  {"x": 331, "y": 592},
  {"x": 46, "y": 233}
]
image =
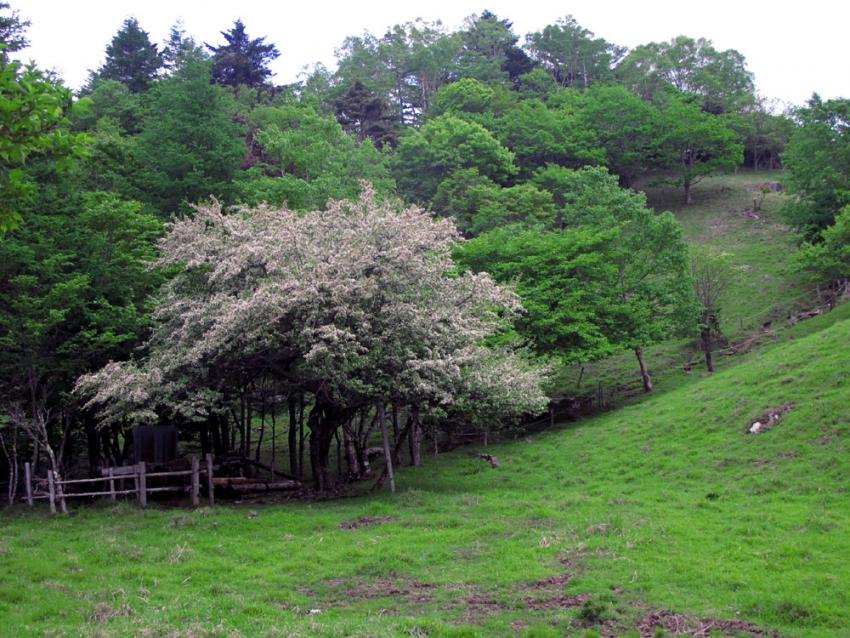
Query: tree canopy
[{"x": 720, "y": 79}]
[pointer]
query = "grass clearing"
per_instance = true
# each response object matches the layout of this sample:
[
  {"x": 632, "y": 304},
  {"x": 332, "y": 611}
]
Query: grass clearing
[{"x": 608, "y": 525}]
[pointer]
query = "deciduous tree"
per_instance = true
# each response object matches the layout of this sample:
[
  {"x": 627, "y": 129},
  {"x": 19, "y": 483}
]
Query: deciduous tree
[
  {"x": 572, "y": 55},
  {"x": 817, "y": 163},
  {"x": 34, "y": 108},
  {"x": 711, "y": 275},
  {"x": 719, "y": 78},
  {"x": 428, "y": 155},
  {"x": 358, "y": 305},
  {"x": 695, "y": 144}
]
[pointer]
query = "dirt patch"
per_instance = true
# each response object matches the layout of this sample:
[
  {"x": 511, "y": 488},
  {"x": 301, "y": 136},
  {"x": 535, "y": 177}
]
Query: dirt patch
[
  {"x": 476, "y": 606},
  {"x": 552, "y": 582},
  {"x": 409, "y": 591},
  {"x": 366, "y": 521},
  {"x": 548, "y": 593},
  {"x": 562, "y": 601},
  {"x": 769, "y": 419},
  {"x": 104, "y": 612},
  {"x": 679, "y": 625},
  {"x": 806, "y": 314}
]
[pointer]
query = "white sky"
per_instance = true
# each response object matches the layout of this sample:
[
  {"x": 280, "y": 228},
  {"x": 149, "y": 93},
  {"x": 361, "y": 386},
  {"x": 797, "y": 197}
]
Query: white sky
[{"x": 793, "y": 48}]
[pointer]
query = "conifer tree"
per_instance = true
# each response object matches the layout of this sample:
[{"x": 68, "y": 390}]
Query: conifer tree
[
  {"x": 179, "y": 48},
  {"x": 242, "y": 60},
  {"x": 365, "y": 114},
  {"x": 12, "y": 32},
  {"x": 131, "y": 58}
]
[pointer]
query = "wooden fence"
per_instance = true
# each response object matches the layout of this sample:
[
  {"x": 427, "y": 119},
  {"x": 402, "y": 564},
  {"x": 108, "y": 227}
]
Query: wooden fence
[{"x": 56, "y": 492}]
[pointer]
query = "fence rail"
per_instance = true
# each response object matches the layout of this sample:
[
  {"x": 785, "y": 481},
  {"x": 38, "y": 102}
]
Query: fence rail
[{"x": 56, "y": 493}]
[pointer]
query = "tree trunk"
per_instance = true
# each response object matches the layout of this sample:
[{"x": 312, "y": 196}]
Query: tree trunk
[
  {"x": 388, "y": 455},
  {"x": 395, "y": 435},
  {"x": 205, "y": 438},
  {"x": 11, "y": 461},
  {"x": 644, "y": 372},
  {"x": 706, "y": 346},
  {"x": 315, "y": 462},
  {"x": 274, "y": 438},
  {"x": 262, "y": 433},
  {"x": 93, "y": 444},
  {"x": 338, "y": 455},
  {"x": 415, "y": 438},
  {"x": 215, "y": 430},
  {"x": 249, "y": 425},
  {"x": 351, "y": 457},
  {"x": 301, "y": 439},
  {"x": 688, "y": 198},
  {"x": 294, "y": 469}
]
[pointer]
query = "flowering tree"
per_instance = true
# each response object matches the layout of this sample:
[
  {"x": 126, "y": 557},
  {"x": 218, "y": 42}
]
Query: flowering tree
[{"x": 356, "y": 306}]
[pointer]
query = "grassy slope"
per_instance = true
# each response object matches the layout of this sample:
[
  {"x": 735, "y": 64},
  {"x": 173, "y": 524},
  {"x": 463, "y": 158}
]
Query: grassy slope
[
  {"x": 619, "y": 502},
  {"x": 765, "y": 288},
  {"x": 760, "y": 250}
]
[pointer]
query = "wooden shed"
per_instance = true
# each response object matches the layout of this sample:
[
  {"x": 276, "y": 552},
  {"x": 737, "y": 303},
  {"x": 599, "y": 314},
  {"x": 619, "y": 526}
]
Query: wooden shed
[{"x": 154, "y": 443}]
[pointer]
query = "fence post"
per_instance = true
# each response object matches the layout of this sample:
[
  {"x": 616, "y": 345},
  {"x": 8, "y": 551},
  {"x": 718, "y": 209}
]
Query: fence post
[
  {"x": 51, "y": 489},
  {"x": 28, "y": 481},
  {"x": 111, "y": 474},
  {"x": 196, "y": 483},
  {"x": 143, "y": 488},
  {"x": 210, "y": 484},
  {"x": 60, "y": 493}
]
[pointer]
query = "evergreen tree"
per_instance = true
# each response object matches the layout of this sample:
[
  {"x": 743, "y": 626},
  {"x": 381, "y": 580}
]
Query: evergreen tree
[
  {"x": 484, "y": 55},
  {"x": 12, "y": 36},
  {"x": 364, "y": 114},
  {"x": 131, "y": 58},
  {"x": 242, "y": 60},
  {"x": 179, "y": 49},
  {"x": 193, "y": 148}
]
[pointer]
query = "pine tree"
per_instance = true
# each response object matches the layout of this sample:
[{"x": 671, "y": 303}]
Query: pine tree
[
  {"x": 12, "y": 32},
  {"x": 364, "y": 114},
  {"x": 131, "y": 58},
  {"x": 242, "y": 60},
  {"x": 180, "y": 49}
]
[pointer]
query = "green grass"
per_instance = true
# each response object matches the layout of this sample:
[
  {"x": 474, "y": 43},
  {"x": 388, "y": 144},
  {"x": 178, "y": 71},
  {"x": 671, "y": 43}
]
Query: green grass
[
  {"x": 663, "y": 505},
  {"x": 761, "y": 250}
]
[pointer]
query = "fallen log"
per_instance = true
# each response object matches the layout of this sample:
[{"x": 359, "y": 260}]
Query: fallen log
[
  {"x": 220, "y": 481},
  {"x": 268, "y": 468},
  {"x": 264, "y": 486},
  {"x": 244, "y": 484}
]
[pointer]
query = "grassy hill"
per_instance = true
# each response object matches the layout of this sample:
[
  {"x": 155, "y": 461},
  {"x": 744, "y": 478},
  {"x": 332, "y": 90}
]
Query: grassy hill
[{"x": 664, "y": 513}]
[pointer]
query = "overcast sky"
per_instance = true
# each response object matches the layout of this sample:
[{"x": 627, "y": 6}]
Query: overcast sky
[{"x": 792, "y": 48}]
